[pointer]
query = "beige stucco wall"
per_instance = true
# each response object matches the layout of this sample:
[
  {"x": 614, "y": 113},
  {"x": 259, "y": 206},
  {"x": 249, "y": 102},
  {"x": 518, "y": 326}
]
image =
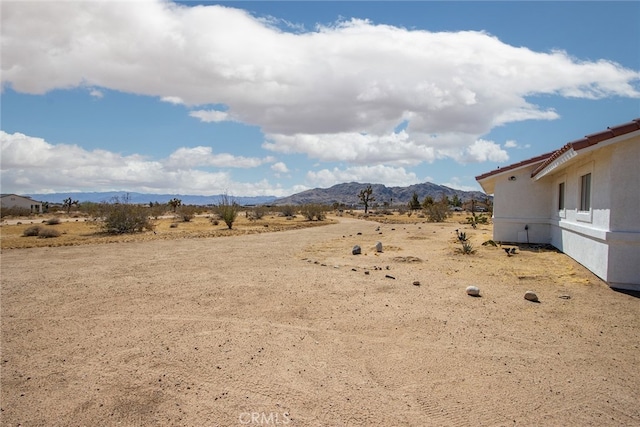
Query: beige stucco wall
[{"x": 13, "y": 200}]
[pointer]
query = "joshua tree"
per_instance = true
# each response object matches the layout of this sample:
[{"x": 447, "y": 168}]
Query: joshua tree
[
  {"x": 67, "y": 203},
  {"x": 174, "y": 203},
  {"x": 414, "y": 204},
  {"x": 366, "y": 197}
]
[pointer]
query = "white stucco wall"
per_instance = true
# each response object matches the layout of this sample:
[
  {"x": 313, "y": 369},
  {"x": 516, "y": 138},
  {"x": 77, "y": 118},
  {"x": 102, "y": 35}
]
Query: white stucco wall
[
  {"x": 520, "y": 204},
  {"x": 625, "y": 179},
  {"x": 606, "y": 238}
]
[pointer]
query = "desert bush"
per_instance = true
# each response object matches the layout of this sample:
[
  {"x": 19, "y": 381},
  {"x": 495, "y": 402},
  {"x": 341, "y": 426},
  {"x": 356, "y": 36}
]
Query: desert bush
[
  {"x": 53, "y": 221},
  {"x": 187, "y": 212},
  {"x": 437, "y": 212},
  {"x": 256, "y": 213},
  {"x": 228, "y": 210},
  {"x": 288, "y": 210},
  {"x": 31, "y": 231},
  {"x": 47, "y": 233},
  {"x": 14, "y": 211},
  {"x": 122, "y": 217},
  {"x": 313, "y": 211}
]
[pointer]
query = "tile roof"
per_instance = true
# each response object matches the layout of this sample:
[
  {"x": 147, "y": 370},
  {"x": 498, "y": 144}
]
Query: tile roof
[
  {"x": 590, "y": 140},
  {"x": 530, "y": 161},
  {"x": 579, "y": 144}
]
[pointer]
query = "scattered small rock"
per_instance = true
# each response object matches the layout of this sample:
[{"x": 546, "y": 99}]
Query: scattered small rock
[
  {"x": 473, "y": 291},
  {"x": 389, "y": 277},
  {"x": 379, "y": 247},
  {"x": 565, "y": 297},
  {"x": 416, "y": 283},
  {"x": 357, "y": 250},
  {"x": 531, "y": 296},
  {"x": 366, "y": 272}
]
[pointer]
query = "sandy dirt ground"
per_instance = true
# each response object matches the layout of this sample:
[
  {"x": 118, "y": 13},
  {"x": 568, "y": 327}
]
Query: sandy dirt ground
[{"x": 290, "y": 328}]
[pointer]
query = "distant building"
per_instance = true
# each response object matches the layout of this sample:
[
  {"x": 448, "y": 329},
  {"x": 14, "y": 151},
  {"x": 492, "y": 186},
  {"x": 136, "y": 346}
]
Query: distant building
[
  {"x": 583, "y": 198},
  {"x": 15, "y": 201}
]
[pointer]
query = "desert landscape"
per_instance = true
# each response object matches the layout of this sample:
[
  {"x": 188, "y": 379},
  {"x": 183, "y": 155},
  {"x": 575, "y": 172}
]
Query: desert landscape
[{"x": 279, "y": 323}]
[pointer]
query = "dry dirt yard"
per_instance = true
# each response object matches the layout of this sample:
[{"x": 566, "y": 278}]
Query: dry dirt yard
[{"x": 290, "y": 328}]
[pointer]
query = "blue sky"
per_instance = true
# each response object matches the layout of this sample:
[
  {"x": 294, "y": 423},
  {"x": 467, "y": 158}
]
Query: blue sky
[{"x": 272, "y": 98}]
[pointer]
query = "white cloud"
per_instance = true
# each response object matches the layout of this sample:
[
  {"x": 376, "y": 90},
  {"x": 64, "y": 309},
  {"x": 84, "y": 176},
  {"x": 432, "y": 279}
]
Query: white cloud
[
  {"x": 457, "y": 184},
  {"x": 280, "y": 167},
  {"x": 175, "y": 100},
  {"x": 27, "y": 162},
  {"x": 482, "y": 151},
  {"x": 96, "y": 93},
  {"x": 186, "y": 158},
  {"x": 334, "y": 93},
  {"x": 510, "y": 144},
  {"x": 209, "y": 116},
  {"x": 378, "y": 174},
  {"x": 356, "y": 148}
]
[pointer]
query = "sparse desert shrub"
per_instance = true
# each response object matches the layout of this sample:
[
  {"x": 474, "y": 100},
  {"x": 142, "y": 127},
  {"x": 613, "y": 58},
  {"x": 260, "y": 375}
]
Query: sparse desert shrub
[
  {"x": 437, "y": 212},
  {"x": 287, "y": 210},
  {"x": 313, "y": 211},
  {"x": 53, "y": 221},
  {"x": 14, "y": 211},
  {"x": 31, "y": 231},
  {"x": 122, "y": 217},
  {"x": 215, "y": 221},
  {"x": 47, "y": 233},
  {"x": 173, "y": 225},
  {"x": 256, "y": 213},
  {"x": 228, "y": 210},
  {"x": 186, "y": 213}
]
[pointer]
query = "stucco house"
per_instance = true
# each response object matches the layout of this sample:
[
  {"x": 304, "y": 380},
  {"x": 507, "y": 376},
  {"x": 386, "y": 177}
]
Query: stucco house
[
  {"x": 15, "y": 201},
  {"x": 583, "y": 198}
]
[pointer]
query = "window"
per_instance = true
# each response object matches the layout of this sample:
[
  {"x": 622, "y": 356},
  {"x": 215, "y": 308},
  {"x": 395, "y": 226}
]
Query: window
[
  {"x": 561, "y": 196},
  {"x": 585, "y": 192}
]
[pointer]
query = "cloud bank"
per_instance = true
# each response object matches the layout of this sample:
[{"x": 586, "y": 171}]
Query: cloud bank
[{"x": 338, "y": 92}]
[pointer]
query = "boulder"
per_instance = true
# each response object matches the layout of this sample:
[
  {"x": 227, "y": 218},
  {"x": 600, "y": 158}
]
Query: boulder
[
  {"x": 357, "y": 250},
  {"x": 379, "y": 247},
  {"x": 531, "y": 296}
]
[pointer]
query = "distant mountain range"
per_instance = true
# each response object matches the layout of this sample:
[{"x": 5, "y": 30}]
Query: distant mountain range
[
  {"x": 144, "y": 198},
  {"x": 346, "y": 193}
]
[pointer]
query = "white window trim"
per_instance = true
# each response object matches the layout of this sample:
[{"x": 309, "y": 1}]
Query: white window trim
[
  {"x": 562, "y": 213},
  {"x": 584, "y": 216}
]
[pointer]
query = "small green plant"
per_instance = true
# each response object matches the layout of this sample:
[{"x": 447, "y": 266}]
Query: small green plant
[{"x": 467, "y": 247}]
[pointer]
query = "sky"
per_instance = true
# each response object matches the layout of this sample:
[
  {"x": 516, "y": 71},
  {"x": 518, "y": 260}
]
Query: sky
[{"x": 272, "y": 98}]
